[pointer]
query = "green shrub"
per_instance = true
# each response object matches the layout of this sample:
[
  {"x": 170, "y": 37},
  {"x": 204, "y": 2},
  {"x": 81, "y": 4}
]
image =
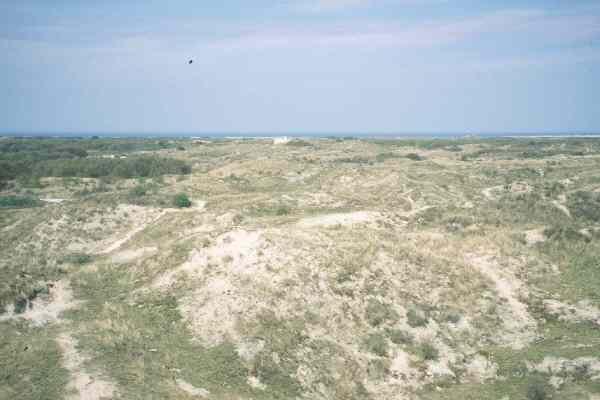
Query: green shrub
[
  {"x": 77, "y": 258},
  {"x": 415, "y": 319},
  {"x": 453, "y": 317},
  {"x": 585, "y": 205},
  {"x": 298, "y": 143},
  {"x": 18, "y": 202},
  {"x": 138, "y": 191},
  {"x": 537, "y": 389},
  {"x": 182, "y": 200},
  {"x": 145, "y": 166},
  {"x": 20, "y": 305},
  {"x": 282, "y": 210},
  {"x": 414, "y": 157},
  {"x": 429, "y": 352},
  {"x": 376, "y": 344},
  {"x": 381, "y": 157},
  {"x": 398, "y": 336},
  {"x": 377, "y": 369},
  {"x": 378, "y": 313},
  {"x": 32, "y": 182},
  {"x": 567, "y": 233},
  {"x": 553, "y": 189}
]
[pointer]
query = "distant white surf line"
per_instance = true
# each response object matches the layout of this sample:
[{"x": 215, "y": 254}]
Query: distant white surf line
[{"x": 551, "y": 136}]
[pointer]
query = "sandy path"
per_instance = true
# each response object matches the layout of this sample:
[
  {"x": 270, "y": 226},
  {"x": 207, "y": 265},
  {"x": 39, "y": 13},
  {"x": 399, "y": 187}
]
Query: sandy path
[
  {"x": 117, "y": 244},
  {"x": 562, "y": 208},
  {"x": 518, "y": 323},
  {"x": 85, "y": 386},
  {"x": 339, "y": 219}
]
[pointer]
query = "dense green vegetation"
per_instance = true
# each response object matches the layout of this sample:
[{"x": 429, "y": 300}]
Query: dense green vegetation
[
  {"x": 21, "y": 347},
  {"x": 145, "y": 166},
  {"x": 18, "y": 201},
  {"x": 585, "y": 205},
  {"x": 29, "y": 159},
  {"x": 182, "y": 200}
]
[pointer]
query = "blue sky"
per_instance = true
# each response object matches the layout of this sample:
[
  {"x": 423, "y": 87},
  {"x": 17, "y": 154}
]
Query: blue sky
[{"x": 327, "y": 66}]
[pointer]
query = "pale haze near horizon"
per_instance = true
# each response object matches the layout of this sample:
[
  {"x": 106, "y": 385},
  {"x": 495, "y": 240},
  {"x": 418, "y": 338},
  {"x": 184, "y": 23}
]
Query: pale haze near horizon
[{"x": 299, "y": 66}]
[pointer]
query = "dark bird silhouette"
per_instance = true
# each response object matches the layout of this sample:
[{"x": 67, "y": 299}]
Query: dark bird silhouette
[{"x": 191, "y": 62}]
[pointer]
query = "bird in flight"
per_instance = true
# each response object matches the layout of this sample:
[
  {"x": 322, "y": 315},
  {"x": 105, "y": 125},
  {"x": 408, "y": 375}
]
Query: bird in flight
[{"x": 191, "y": 62}]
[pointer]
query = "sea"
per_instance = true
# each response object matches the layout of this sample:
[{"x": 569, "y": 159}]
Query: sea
[{"x": 300, "y": 135}]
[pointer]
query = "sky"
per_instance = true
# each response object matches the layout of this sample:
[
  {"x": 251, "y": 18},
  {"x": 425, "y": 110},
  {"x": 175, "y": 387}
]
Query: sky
[{"x": 300, "y": 66}]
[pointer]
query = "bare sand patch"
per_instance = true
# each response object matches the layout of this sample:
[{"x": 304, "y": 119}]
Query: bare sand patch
[
  {"x": 402, "y": 372},
  {"x": 127, "y": 256},
  {"x": 520, "y": 188},
  {"x": 339, "y": 219},
  {"x": 281, "y": 140},
  {"x": 53, "y": 200},
  {"x": 560, "y": 204},
  {"x": 229, "y": 276},
  {"x": 562, "y": 208},
  {"x": 583, "y": 310},
  {"x": 239, "y": 249},
  {"x": 489, "y": 193},
  {"x": 191, "y": 389},
  {"x": 247, "y": 349},
  {"x": 46, "y": 309},
  {"x": 534, "y": 236},
  {"x": 481, "y": 368}
]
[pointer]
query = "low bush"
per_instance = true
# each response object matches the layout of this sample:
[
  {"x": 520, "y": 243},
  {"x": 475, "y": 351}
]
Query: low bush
[
  {"x": 18, "y": 202},
  {"x": 415, "y": 319},
  {"x": 537, "y": 389},
  {"x": 282, "y": 210},
  {"x": 298, "y": 143},
  {"x": 377, "y": 369},
  {"x": 566, "y": 233},
  {"x": 77, "y": 258},
  {"x": 381, "y": 157},
  {"x": 182, "y": 200},
  {"x": 145, "y": 167},
  {"x": 585, "y": 205},
  {"x": 453, "y": 317},
  {"x": 138, "y": 191},
  {"x": 398, "y": 336},
  {"x": 429, "y": 352},
  {"x": 20, "y": 305},
  {"x": 376, "y": 344},
  {"x": 378, "y": 313},
  {"x": 414, "y": 157}
]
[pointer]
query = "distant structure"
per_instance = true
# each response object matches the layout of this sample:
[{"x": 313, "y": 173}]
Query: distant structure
[{"x": 281, "y": 140}]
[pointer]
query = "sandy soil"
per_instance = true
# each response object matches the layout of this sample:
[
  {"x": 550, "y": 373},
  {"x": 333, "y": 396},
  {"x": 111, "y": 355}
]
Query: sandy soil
[
  {"x": 127, "y": 256},
  {"x": 339, "y": 219},
  {"x": 519, "y": 325},
  {"x": 534, "y": 236},
  {"x": 579, "y": 312},
  {"x": 191, "y": 390},
  {"x": 83, "y": 385},
  {"x": 47, "y": 309}
]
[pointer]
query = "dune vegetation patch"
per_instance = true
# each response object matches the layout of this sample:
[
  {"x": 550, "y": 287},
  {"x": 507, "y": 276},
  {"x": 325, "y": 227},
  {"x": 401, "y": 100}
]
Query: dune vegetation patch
[{"x": 336, "y": 268}]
